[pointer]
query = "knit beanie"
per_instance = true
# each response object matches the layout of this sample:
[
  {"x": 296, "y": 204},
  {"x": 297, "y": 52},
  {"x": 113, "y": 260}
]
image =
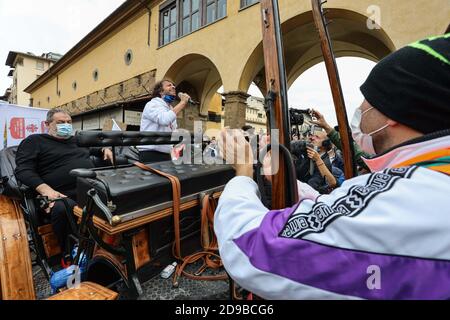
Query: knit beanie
[{"x": 412, "y": 85}]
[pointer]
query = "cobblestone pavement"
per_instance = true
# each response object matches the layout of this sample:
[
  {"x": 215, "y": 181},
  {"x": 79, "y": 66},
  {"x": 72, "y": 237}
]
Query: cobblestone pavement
[{"x": 157, "y": 288}]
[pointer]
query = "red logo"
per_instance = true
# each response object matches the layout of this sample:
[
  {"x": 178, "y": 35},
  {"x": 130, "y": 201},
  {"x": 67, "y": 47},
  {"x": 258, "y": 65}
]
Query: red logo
[
  {"x": 32, "y": 128},
  {"x": 20, "y": 128},
  {"x": 17, "y": 128}
]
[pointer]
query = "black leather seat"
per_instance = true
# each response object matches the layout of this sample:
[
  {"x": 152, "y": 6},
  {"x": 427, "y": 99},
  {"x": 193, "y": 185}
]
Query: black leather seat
[{"x": 10, "y": 187}]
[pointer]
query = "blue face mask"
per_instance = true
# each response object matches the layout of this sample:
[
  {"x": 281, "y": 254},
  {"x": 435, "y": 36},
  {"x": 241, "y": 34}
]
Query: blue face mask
[
  {"x": 169, "y": 99},
  {"x": 64, "y": 130}
]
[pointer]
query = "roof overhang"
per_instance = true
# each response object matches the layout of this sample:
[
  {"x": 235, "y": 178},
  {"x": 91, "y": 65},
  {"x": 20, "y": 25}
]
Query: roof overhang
[
  {"x": 122, "y": 14},
  {"x": 11, "y": 58}
]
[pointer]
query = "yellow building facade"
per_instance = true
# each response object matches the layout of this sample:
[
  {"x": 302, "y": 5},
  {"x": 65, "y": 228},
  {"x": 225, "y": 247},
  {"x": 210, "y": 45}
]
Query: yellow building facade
[
  {"x": 25, "y": 69},
  {"x": 203, "y": 45},
  {"x": 255, "y": 115}
]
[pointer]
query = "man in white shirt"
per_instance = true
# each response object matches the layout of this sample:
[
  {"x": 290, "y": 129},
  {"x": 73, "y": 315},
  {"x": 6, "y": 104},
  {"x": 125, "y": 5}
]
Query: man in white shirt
[{"x": 160, "y": 116}]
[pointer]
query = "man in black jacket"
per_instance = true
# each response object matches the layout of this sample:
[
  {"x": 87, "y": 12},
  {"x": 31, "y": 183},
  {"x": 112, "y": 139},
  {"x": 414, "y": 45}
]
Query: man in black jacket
[{"x": 44, "y": 162}]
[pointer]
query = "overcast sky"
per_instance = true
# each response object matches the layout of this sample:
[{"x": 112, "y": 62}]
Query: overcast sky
[
  {"x": 40, "y": 26},
  {"x": 312, "y": 89}
]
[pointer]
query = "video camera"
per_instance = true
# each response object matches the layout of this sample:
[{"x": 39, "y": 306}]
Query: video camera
[
  {"x": 298, "y": 148},
  {"x": 304, "y": 166},
  {"x": 296, "y": 116}
]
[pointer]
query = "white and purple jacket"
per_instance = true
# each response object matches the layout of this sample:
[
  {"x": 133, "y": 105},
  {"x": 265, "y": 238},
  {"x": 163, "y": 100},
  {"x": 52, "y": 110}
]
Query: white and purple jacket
[{"x": 393, "y": 224}]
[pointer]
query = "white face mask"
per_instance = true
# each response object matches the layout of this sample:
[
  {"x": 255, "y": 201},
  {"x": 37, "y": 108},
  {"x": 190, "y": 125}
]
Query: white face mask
[{"x": 364, "y": 140}]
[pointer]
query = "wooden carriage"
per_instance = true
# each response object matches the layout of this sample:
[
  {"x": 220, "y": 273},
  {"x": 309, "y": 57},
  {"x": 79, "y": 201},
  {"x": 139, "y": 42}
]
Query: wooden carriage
[
  {"x": 16, "y": 225},
  {"x": 127, "y": 217},
  {"x": 16, "y": 278},
  {"x": 134, "y": 242}
]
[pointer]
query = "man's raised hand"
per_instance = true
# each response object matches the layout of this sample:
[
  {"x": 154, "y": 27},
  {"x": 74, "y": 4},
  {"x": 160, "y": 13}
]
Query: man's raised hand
[{"x": 235, "y": 150}]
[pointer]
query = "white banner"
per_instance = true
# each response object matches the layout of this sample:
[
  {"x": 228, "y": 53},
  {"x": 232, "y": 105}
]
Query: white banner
[{"x": 17, "y": 123}]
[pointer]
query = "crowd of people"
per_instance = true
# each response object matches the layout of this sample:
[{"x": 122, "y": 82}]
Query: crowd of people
[
  {"x": 382, "y": 235},
  {"x": 318, "y": 156},
  {"x": 395, "y": 218},
  {"x": 317, "y": 161}
]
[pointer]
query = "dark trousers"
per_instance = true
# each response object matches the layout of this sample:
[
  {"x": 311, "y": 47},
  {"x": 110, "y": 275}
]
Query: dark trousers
[
  {"x": 60, "y": 222},
  {"x": 153, "y": 156}
]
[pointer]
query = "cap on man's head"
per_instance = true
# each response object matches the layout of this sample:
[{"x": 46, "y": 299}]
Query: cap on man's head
[{"x": 412, "y": 85}]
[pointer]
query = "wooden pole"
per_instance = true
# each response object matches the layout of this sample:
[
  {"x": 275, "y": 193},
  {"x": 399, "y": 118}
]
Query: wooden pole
[
  {"x": 336, "y": 89},
  {"x": 277, "y": 87}
]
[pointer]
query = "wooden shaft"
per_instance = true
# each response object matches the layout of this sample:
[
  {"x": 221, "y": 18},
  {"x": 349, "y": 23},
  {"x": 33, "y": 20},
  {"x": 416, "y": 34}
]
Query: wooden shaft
[
  {"x": 276, "y": 82},
  {"x": 336, "y": 89}
]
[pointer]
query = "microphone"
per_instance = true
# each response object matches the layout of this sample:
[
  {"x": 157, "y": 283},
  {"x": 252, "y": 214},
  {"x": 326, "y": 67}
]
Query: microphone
[{"x": 190, "y": 100}]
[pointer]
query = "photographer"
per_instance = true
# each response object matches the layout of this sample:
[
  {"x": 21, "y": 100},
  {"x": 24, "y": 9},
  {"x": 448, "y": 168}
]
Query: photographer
[
  {"x": 394, "y": 219},
  {"x": 316, "y": 172},
  {"x": 334, "y": 154},
  {"x": 322, "y": 177},
  {"x": 311, "y": 167},
  {"x": 335, "y": 138},
  {"x": 301, "y": 160}
]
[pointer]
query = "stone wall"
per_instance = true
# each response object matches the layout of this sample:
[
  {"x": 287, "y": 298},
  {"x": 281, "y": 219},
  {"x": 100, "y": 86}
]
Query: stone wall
[
  {"x": 189, "y": 115},
  {"x": 125, "y": 91}
]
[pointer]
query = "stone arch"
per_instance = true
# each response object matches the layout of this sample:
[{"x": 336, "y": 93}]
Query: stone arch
[
  {"x": 198, "y": 76},
  {"x": 198, "y": 73},
  {"x": 350, "y": 36}
]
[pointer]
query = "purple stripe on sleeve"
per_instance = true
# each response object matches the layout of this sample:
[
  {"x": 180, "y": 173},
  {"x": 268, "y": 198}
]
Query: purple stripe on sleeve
[{"x": 343, "y": 271}]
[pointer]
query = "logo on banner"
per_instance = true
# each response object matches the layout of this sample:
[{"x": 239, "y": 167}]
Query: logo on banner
[
  {"x": 20, "y": 128},
  {"x": 17, "y": 128},
  {"x": 18, "y": 122},
  {"x": 32, "y": 128}
]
